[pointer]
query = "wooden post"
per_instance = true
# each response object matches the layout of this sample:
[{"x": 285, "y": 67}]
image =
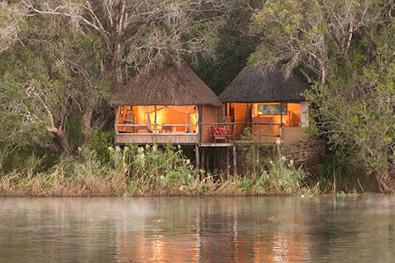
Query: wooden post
[
  {"x": 234, "y": 132},
  {"x": 281, "y": 122},
  {"x": 208, "y": 160},
  {"x": 254, "y": 158},
  {"x": 259, "y": 131},
  {"x": 227, "y": 162},
  {"x": 249, "y": 115},
  {"x": 215, "y": 158},
  {"x": 155, "y": 125},
  {"x": 203, "y": 159},
  {"x": 257, "y": 159},
  {"x": 234, "y": 161},
  {"x": 199, "y": 111},
  {"x": 116, "y": 120},
  {"x": 197, "y": 157}
]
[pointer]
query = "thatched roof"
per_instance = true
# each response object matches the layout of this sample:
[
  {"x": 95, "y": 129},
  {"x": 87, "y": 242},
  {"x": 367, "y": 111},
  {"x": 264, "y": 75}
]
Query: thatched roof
[
  {"x": 264, "y": 85},
  {"x": 169, "y": 84}
]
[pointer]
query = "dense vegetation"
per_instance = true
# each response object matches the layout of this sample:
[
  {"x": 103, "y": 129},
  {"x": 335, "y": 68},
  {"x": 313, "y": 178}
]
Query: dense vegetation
[
  {"x": 61, "y": 60},
  {"x": 146, "y": 171}
]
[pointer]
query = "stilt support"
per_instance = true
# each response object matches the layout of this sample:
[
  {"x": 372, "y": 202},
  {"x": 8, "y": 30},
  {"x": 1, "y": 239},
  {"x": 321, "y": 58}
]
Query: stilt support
[
  {"x": 197, "y": 157},
  {"x": 203, "y": 159},
  {"x": 258, "y": 163},
  {"x": 234, "y": 161},
  {"x": 227, "y": 162},
  {"x": 208, "y": 155}
]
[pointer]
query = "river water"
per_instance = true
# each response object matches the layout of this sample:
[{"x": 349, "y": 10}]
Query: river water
[{"x": 265, "y": 229}]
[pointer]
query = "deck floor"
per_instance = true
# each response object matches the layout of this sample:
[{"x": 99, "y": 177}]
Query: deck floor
[{"x": 215, "y": 145}]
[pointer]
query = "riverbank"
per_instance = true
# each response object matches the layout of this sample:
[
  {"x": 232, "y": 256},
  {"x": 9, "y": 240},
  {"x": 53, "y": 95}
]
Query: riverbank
[
  {"x": 12, "y": 186},
  {"x": 152, "y": 171}
]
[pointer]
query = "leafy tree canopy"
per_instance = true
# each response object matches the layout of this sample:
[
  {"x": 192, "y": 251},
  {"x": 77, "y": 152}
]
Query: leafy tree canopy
[{"x": 346, "y": 49}]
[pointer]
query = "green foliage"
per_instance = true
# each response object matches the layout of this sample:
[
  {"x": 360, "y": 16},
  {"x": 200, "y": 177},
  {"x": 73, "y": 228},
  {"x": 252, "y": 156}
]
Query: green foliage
[
  {"x": 275, "y": 175},
  {"x": 347, "y": 49},
  {"x": 341, "y": 170},
  {"x": 139, "y": 171},
  {"x": 163, "y": 166},
  {"x": 44, "y": 83},
  {"x": 12, "y": 18},
  {"x": 244, "y": 184},
  {"x": 100, "y": 143},
  {"x": 231, "y": 50},
  {"x": 254, "y": 157},
  {"x": 281, "y": 177}
]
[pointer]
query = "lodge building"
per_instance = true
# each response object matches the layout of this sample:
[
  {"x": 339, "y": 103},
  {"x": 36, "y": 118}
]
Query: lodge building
[{"x": 171, "y": 104}]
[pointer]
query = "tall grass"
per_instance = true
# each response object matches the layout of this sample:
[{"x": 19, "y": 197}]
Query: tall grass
[
  {"x": 278, "y": 177},
  {"x": 82, "y": 175},
  {"x": 143, "y": 171}
]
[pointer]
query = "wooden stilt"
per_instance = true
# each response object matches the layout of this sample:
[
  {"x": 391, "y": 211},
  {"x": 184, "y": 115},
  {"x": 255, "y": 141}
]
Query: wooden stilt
[
  {"x": 215, "y": 159},
  {"x": 227, "y": 162},
  {"x": 281, "y": 120},
  {"x": 208, "y": 160},
  {"x": 203, "y": 159},
  {"x": 254, "y": 159},
  {"x": 156, "y": 126},
  {"x": 257, "y": 160},
  {"x": 197, "y": 157},
  {"x": 234, "y": 161}
]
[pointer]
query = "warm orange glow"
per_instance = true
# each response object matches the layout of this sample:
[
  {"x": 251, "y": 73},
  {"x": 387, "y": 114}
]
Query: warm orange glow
[
  {"x": 169, "y": 119},
  {"x": 290, "y": 119},
  {"x": 241, "y": 113}
]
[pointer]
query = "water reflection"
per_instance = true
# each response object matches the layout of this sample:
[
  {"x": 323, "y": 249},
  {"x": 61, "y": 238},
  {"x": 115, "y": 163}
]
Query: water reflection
[{"x": 191, "y": 230}]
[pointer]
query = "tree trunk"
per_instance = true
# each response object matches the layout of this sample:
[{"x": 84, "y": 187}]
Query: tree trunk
[
  {"x": 61, "y": 140},
  {"x": 86, "y": 125},
  {"x": 90, "y": 124},
  {"x": 89, "y": 108},
  {"x": 117, "y": 64},
  {"x": 386, "y": 180}
]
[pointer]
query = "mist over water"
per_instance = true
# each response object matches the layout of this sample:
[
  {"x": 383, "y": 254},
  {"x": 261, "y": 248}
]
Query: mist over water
[{"x": 254, "y": 229}]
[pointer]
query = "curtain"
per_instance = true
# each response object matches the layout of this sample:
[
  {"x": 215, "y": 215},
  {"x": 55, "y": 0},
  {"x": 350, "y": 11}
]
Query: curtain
[{"x": 147, "y": 110}]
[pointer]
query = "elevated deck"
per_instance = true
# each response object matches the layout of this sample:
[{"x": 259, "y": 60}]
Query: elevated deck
[
  {"x": 263, "y": 135},
  {"x": 160, "y": 138},
  {"x": 216, "y": 144}
]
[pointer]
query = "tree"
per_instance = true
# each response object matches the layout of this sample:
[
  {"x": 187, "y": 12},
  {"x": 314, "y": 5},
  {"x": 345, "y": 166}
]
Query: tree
[
  {"x": 43, "y": 82},
  {"x": 72, "y": 54},
  {"x": 346, "y": 49},
  {"x": 11, "y": 19},
  {"x": 137, "y": 34},
  {"x": 233, "y": 49}
]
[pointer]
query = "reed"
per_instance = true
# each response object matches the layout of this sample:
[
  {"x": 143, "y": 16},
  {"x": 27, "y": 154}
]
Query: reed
[{"x": 142, "y": 171}]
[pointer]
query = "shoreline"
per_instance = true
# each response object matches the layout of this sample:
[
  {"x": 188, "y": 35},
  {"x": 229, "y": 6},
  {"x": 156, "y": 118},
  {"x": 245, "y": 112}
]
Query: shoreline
[
  {"x": 28, "y": 193},
  {"x": 197, "y": 196}
]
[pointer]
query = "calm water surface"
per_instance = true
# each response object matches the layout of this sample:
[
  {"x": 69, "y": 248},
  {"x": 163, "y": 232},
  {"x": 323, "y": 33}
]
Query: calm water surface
[{"x": 278, "y": 229}]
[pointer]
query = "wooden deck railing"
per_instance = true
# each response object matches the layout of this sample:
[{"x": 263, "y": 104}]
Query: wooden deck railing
[{"x": 234, "y": 131}]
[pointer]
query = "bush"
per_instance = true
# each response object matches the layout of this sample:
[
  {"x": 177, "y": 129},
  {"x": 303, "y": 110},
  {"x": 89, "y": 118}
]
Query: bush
[
  {"x": 142, "y": 171},
  {"x": 281, "y": 177},
  {"x": 100, "y": 142}
]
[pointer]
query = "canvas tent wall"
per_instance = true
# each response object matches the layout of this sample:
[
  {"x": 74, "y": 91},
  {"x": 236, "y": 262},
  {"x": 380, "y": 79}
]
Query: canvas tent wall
[{"x": 169, "y": 93}]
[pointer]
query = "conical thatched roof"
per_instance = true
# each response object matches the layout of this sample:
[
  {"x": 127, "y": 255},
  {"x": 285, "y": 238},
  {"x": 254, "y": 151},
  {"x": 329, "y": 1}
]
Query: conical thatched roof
[
  {"x": 167, "y": 85},
  {"x": 264, "y": 85}
]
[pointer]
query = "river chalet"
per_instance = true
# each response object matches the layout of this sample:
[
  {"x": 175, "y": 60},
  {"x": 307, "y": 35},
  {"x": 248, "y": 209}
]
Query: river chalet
[
  {"x": 268, "y": 103},
  {"x": 171, "y": 104},
  {"x": 163, "y": 105}
]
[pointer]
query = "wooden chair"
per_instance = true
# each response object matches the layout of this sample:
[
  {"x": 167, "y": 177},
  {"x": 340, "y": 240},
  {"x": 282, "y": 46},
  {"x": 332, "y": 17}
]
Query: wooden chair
[{"x": 219, "y": 134}]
